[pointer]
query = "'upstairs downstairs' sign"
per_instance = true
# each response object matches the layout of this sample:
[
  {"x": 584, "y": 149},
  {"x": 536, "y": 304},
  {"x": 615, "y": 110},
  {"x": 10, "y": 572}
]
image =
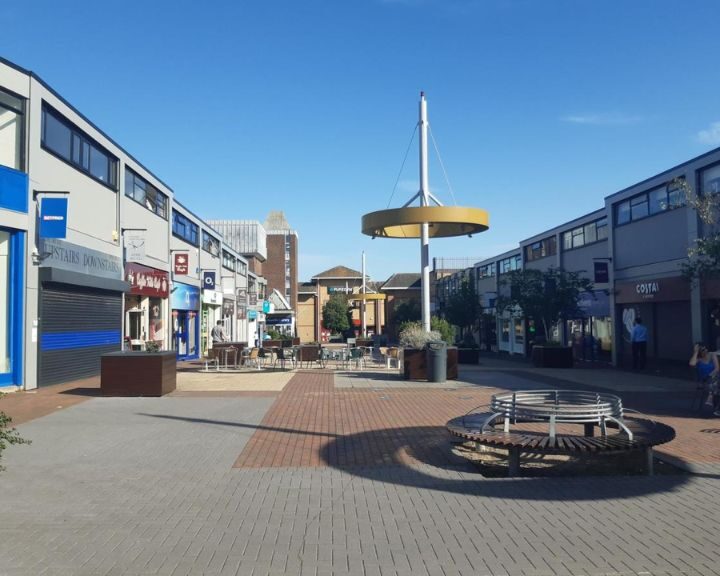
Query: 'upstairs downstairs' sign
[{"x": 56, "y": 253}]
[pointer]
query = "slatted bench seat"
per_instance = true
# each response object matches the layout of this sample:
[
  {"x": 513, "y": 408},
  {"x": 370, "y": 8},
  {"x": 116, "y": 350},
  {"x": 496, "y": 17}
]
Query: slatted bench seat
[{"x": 634, "y": 433}]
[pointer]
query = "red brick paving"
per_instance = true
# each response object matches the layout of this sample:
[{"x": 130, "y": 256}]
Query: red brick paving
[{"x": 314, "y": 424}]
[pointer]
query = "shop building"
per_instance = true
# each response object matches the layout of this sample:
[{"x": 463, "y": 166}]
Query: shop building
[
  {"x": 13, "y": 232},
  {"x": 186, "y": 287},
  {"x": 281, "y": 267},
  {"x": 402, "y": 288}
]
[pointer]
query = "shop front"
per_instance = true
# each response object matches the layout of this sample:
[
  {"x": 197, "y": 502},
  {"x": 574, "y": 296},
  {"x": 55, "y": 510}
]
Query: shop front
[
  {"x": 81, "y": 296},
  {"x": 185, "y": 303},
  {"x": 212, "y": 301},
  {"x": 228, "y": 317},
  {"x": 664, "y": 306},
  {"x": 12, "y": 291},
  {"x": 146, "y": 306},
  {"x": 590, "y": 334}
]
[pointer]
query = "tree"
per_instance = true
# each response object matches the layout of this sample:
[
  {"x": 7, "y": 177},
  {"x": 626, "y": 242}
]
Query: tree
[
  {"x": 545, "y": 296},
  {"x": 408, "y": 311},
  {"x": 704, "y": 257},
  {"x": 463, "y": 307},
  {"x": 336, "y": 314}
]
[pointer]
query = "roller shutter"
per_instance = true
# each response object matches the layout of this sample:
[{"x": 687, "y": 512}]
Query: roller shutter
[{"x": 77, "y": 326}]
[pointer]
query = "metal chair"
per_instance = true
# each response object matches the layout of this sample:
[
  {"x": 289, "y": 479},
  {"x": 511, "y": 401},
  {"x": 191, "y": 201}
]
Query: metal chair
[
  {"x": 358, "y": 357},
  {"x": 393, "y": 355},
  {"x": 252, "y": 359}
]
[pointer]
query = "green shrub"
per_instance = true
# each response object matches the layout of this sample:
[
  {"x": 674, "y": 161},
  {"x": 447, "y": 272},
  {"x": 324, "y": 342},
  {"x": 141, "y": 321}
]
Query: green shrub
[
  {"x": 412, "y": 335},
  {"x": 446, "y": 330},
  {"x": 8, "y": 435}
]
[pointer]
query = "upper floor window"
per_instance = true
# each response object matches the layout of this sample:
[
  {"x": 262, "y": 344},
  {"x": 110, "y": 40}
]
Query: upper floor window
[
  {"x": 210, "y": 244},
  {"x": 510, "y": 264},
  {"x": 665, "y": 197},
  {"x": 228, "y": 260},
  {"x": 710, "y": 180},
  {"x": 586, "y": 234},
  {"x": 12, "y": 130},
  {"x": 486, "y": 271},
  {"x": 145, "y": 193},
  {"x": 72, "y": 145},
  {"x": 185, "y": 228},
  {"x": 541, "y": 249},
  {"x": 241, "y": 268}
]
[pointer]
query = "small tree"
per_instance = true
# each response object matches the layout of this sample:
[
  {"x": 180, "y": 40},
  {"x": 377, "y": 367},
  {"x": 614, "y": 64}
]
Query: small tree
[
  {"x": 8, "y": 435},
  {"x": 444, "y": 328},
  {"x": 546, "y": 296},
  {"x": 336, "y": 314},
  {"x": 704, "y": 257},
  {"x": 404, "y": 312},
  {"x": 463, "y": 308}
]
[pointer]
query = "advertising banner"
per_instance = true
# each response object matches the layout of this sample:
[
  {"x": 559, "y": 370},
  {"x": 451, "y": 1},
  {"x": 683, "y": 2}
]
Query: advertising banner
[
  {"x": 185, "y": 297},
  {"x": 53, "y": 217}
]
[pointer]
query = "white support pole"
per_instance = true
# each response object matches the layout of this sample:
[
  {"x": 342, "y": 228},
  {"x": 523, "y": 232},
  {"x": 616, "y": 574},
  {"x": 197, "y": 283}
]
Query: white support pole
[
  {"x": 362, "y": 302},
  {"x": 424, "y": 236}
]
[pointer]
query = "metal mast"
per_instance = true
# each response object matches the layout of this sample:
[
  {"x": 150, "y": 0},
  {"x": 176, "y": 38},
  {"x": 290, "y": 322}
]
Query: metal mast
[{"x": 424, "y": 201}]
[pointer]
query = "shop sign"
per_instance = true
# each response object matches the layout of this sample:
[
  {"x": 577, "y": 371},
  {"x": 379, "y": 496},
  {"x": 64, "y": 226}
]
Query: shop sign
[
  {"x": 64, "y": 255},
  {"x": 278, "y": 320},
  {"x": 181, "y": 263},
  {"x": 53, "y": 217},
  {"x": 228, "y": 307},
  {"x": 241, "y": 312},
  {"x": 252, "y": 298},
  {"x": 656, "y": 290},
  {"x": 602, "y": 274},
  {"x": 209, "y": 280},
  {"x": 266, "y": 306},
  {"x": 252, "y": 314},
  {"x": 241, "y": 294},
  {"x": 134, "y": 247},
  {"x": 339, "y": 290},
  {"x": 212, "y": 297},
  {"x": 146, "y": 281},
  {"x": 184, "y": 297}
]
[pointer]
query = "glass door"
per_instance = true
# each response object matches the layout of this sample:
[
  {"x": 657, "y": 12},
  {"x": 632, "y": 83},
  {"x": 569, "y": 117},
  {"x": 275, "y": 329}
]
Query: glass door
[
  {"x": 5, "y": 291},
  {"x": 180, "y": 332}
]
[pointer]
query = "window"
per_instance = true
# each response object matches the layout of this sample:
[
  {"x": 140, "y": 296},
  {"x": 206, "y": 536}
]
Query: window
[
  {"x": 541, "y": 249},
  {"x": 145, "y": 193},
  {"x": 639, "y": 207},
  {"x": 185, "y": 228},
  {"x": 660, "y": 199},
  {"x": 510, "y": 264},
  {"x": 210, "y": 244},
  {"x": 587, "y": 234},
  {"x": 67, "y": 142},
  {"x": 241, "y": 268},
  {"x": 710, "y": 180},
  {"x": 12, "y": 130},
  {"x": 228, "y": 260}
]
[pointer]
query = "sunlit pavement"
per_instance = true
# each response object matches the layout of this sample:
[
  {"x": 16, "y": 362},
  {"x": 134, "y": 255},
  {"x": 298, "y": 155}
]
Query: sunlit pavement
[{"x": 337, "y": 473}]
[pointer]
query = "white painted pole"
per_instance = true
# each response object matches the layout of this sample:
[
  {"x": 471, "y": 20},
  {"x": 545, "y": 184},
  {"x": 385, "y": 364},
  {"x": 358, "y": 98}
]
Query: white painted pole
[
  {"x": 424, "y": 235},
  {"x": 362, "y": 302}
]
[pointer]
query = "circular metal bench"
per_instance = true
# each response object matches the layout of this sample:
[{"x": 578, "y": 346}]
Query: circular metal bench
[{"x": 553, "y": 407}]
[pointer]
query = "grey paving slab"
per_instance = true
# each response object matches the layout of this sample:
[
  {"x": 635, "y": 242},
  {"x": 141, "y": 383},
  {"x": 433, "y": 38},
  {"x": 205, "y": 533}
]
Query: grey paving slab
[{"x": 146, "y": 486}]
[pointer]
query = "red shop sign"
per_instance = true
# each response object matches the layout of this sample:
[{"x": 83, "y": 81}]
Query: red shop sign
[
  {"x": 181, "y": 263},
  {"x": 147, "y": 281}
]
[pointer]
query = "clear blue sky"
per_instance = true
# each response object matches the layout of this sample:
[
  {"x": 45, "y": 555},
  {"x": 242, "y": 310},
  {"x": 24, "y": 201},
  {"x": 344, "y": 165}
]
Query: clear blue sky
[{"x": 540, "y": 108}]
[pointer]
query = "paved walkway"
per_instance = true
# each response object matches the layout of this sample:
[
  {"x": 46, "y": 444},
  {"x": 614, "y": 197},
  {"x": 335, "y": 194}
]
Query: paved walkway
[{"x": 322, "y": 478}]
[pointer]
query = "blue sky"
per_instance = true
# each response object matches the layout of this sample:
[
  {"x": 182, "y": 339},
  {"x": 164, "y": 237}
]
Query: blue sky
[{"x": 540, "y": 108}]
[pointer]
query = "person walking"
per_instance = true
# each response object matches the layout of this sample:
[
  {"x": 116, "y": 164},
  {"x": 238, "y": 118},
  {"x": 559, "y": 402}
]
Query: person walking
[
  {"x": 218, "y": 333},
  {"x": 638, "y": 340}
]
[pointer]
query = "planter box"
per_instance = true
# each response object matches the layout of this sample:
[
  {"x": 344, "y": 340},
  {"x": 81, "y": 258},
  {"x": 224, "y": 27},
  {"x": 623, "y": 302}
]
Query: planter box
[
  {"x": 415, "y": 363},
  {"x": 552, "y": 357},
  {"x": 308, "y": 354},
  {"x": 364, "y": 342},
  {"x": 137, "y": 373},
  {"x": 280, "y": 343},
  {"x": 468, "y": 355}
]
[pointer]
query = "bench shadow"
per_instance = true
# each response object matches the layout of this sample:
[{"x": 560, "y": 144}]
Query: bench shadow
[{"x": 423, "y": 457}]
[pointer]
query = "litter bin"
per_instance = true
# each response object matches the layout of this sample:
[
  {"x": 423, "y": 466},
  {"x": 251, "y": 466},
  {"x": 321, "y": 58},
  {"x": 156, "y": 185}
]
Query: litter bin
[{"x": 436, "y": 361}]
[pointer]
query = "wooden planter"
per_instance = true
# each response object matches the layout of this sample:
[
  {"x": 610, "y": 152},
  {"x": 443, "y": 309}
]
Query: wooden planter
[
  {"x": 552, "y": 356},
  {"x": 415, "y": 363},
  {"x": 137, "y": 373},
  {"x": 468, "y": 355},
  {"x": 364, "y": 342},
  {"x": 309, "y": 354}
]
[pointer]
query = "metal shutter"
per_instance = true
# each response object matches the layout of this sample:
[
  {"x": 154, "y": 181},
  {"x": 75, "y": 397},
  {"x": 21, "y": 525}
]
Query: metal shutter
[{"x": 77, "y": 326}]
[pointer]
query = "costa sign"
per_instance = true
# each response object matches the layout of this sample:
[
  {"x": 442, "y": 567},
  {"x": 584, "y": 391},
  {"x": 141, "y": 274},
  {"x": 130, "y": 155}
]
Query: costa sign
[
  {"x": 656, "y": 290},
  {"x": 647, "y": 288}
]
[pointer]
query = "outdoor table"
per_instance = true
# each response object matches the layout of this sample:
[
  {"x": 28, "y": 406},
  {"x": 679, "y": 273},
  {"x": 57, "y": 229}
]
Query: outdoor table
[{"x": 230, "y": 351}]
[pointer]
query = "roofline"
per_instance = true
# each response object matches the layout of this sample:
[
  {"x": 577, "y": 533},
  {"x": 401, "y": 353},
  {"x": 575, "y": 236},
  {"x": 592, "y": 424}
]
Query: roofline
[
  {"x": 55, "y": 93},
  {"x": 339, "y": 277},
  {"x": 600, "y": 213},
  {"x": 664, "y": 172}
]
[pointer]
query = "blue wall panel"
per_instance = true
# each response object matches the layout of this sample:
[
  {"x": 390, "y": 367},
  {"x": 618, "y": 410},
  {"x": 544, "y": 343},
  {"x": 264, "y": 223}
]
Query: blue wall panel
[{"x": 13, "y": 190}]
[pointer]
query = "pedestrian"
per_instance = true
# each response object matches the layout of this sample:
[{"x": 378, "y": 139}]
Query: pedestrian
[
  {"x": 638, "y": 340},
  {"x": 218, "y": 333},
  {"x": 708, "y": 369}
]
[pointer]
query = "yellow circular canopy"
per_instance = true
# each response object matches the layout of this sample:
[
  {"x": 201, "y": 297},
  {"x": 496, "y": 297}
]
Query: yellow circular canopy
[
  {"x": 443, "y": 221},
  {"x": 366, "y": 297}
]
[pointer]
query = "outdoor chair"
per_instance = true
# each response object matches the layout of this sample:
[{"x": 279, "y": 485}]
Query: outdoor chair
[
  {"x": 357, "y": 357},
  {"x": 282, "y": 355},
  {"x": 212, "y": 358},
  {"x": 253, "y": 359},
  {"x": 392, "y": 355}
]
